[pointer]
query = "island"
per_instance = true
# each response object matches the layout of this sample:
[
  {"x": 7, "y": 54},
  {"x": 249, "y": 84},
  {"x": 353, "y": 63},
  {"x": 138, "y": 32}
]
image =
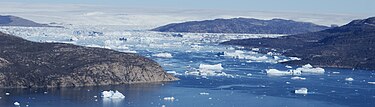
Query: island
[{"x": 243, "y": 25}]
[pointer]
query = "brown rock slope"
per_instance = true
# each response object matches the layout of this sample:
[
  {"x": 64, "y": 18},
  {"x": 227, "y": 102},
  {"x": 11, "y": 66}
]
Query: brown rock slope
[{"x": 25, "y": 64}]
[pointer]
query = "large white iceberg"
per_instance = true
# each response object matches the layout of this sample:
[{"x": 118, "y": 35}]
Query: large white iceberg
[{"x": 112, "y": 94}]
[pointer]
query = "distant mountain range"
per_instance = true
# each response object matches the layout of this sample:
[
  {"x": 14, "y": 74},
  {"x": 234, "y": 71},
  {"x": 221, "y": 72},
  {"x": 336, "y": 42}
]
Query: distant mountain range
[
  {"x": 348, "y": 46},
  {"x": 17, "y": 21},
  {"x": 26, "y": 64},
  {"x": 243, "y": 25}
]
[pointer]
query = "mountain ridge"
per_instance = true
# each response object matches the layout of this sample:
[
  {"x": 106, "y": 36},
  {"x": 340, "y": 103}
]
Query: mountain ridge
[{"x": 242, "y": 25}]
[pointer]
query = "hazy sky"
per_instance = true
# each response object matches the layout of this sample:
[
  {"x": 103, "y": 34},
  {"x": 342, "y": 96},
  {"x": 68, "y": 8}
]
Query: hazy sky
[{"x": 364, "y": 7}]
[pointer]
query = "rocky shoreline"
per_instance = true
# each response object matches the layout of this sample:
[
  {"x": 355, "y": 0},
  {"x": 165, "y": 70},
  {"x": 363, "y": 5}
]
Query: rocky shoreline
[
  {"x": 26, "y": 64},
  {"x": 348, "y": 46}
]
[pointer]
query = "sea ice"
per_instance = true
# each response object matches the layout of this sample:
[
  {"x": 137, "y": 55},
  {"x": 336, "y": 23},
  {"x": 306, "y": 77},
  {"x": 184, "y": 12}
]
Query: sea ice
[
  {"x": 112, "y": 94},
  {"x": 7, "y": 94},
  {"x": 349, "y": 79},
  {"x": 301, "y": 91},
  {"x": 163, "y": 55},
  {"x": 371, "y": 83}
]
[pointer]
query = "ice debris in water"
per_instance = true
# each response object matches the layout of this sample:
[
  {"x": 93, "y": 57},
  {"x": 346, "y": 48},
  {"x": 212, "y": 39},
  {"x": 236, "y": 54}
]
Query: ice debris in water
[
  {"x": 310, "y": 69},
  {"x": 371, "y": 83},
  {"x": 349, "y": 79},
  {"x": 163, "y": 55},
  {"x": 287, "y": 66},
  {"x": 298, "y": 78},
  {"x": 204, "y": 93},
  {"x": 112, "y": 94},
  {"x": 7, "y": 94},
  {"x": 211, "y": 67},
  {"x": 275, "y": 72},
  {"x": 304, "y": 69},
  {"x": 169, "y": 98},
  {"x": 16, "y": 103},
  {"x": 301, "y": 91}
]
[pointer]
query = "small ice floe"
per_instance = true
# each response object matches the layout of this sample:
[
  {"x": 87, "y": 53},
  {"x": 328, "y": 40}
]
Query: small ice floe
[
  {"x": 16, "y": 103},
  {"x": 335, "y": 72},
  {"x": 204, "y": 93},
  {"x": 287, "y": 66},
  {"x": 7, "y": 94},
  {"x": 301, "y": 91},
  {"x": 294, "y": 58},
  {"x": 275, "y": 72},
  {"x": 249, "y": 74},
  {"x": 173, "y": 72},
  {"x": 112, "y": 94},
  {"x": 349, "y": 79},
  {"x": 371, "y": 83},
  {"x": 169, "y": 98},
  {"x": 298, "y": 78},
  {"x": 163, "y": 55},
  {"x": 45, "y": 92},
  {"x": 211, "y": 67},
  {"x": 310, "y": 69}
]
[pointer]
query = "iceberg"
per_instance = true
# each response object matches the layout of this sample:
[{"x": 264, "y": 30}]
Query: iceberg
[
  {"x": 204, "y": 93},
  {"x": 349, "y": 79},
  {"x": 301, "y": 91},
  {"x": 16, "y": 103},
  {"x": 211, "y": 67},
  {"x": 112, "y": 94},
  {"x": 310, "y": 69},
  {"x": 208, "y": 70},
  {"x": 163, "y": 55},
  {"x": 275, "y": 72},
  {"x": 169, "y": 98},
  {"x": 298, "y": 78}
]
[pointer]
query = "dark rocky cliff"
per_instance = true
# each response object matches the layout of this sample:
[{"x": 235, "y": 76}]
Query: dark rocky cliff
[
  {"x": 25, "y": 64},
  {"x": 18, "y": 21},
  {"x": 348, "y": 46},
  {"x": 243, "y": 25}
]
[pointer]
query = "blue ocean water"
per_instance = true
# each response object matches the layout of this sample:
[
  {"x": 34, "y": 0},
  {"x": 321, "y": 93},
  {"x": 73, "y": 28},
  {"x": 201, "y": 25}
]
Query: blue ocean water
[{"x": 247, "y": 86}]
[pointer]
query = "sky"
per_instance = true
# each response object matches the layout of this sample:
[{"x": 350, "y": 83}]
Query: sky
[{"x": 361, "y": 7}]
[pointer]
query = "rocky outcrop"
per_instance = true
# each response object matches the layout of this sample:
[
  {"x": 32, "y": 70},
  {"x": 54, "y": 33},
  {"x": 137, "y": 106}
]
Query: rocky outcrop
[
  {"x": 243, "y": 25},
  {"x": 348, "y": 46},
  {"x": 17, "y": 21},
  {"x": 26, "y": 64}
]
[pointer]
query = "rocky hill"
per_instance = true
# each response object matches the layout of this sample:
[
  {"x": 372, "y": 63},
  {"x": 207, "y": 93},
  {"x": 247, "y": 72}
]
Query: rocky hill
[
  {"x": 348, "y": 46},
  {"x": 17, "y": 21},
  {"x": 25, "y": 64},
  {"x": 243, "y": 25}
]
